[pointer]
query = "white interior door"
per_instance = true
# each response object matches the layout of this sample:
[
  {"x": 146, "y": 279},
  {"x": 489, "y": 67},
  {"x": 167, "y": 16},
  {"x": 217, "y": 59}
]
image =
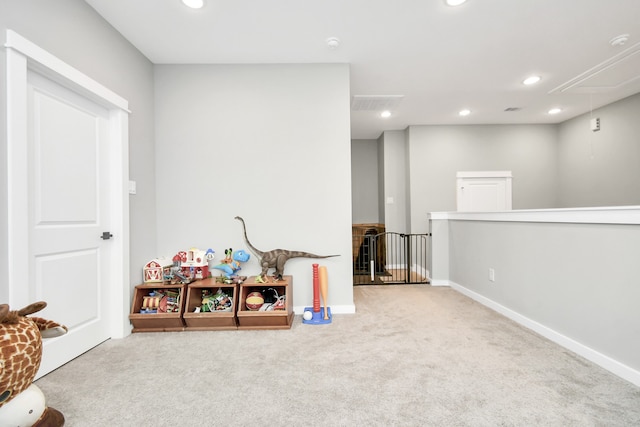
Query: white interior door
[
  {"x": 483, "y": 191},
  {"x": 68, "y": 211},
  {"x": 67, "y": 176}
]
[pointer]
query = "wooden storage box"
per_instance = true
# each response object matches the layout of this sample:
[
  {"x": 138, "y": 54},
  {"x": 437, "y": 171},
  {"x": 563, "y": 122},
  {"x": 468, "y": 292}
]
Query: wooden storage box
[
  {"x": 276, "y": 319},
  {"x": 156, "y": 322},
  {"x": 209, "y": 321}
]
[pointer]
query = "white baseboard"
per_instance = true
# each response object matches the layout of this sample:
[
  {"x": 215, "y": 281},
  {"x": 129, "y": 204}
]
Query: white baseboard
[
  {"x": 611, "y": 365},
  {"x": 335, "y": 309},
  {"x": 439, "y": 282}
]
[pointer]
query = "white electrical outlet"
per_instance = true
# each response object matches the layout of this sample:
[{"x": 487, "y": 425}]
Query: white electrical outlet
[{"x": 492, "y": 275}]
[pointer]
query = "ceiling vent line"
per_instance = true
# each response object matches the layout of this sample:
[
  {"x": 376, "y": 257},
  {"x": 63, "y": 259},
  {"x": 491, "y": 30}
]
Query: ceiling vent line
[
  {"x": 375, "y": 102},
  {"x": 617, "y": 71}
]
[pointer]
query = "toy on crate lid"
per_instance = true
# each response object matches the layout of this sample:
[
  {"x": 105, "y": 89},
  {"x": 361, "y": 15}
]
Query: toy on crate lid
[
  {"x": 22, "y": 402},
  {"x": 230, "y": 265},
  {"x": 155, "y": 270},
  {"x": 275, "y": 258}
]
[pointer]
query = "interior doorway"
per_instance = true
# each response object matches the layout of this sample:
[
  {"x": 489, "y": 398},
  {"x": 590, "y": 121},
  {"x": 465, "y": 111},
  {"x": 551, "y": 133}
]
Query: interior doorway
[
  {"x": 67, "y": 178},
  {"x": 388, "y": 258}
]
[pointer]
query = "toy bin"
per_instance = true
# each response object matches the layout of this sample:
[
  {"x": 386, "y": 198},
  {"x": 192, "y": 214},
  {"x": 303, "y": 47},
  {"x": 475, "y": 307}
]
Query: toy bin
[
  {"x": 213, "y": 319},
  {"x": 157, "y": 308},
  {"x": 279, "y": 318}
]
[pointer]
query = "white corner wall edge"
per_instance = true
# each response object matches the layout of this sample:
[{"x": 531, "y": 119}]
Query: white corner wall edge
[{"x": 588, "y": 353}]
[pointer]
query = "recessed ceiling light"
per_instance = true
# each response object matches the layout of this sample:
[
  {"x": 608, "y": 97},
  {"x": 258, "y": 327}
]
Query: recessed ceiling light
[
  {"x": 454, "y": 2},
  {"x": 554, "y": 111},
  {"x": 385, "y": 114},
  {"x": 464, "y": 112},
  {"x": 531, "y": 80},
  {"x": 333, "y": 42},
  {"x": 194, "y": 4}
]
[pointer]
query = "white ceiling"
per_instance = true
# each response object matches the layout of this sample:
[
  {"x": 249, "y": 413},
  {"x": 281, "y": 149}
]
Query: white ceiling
[{"x": 441, "y": 59}]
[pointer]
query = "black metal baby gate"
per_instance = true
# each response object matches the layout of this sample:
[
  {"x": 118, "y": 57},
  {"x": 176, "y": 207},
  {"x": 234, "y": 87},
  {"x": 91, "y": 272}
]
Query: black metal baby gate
[{"x": 390, "y": 258}]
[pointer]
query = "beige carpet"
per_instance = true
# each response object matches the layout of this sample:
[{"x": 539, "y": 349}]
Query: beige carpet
[{"x": 413, "y": 355}]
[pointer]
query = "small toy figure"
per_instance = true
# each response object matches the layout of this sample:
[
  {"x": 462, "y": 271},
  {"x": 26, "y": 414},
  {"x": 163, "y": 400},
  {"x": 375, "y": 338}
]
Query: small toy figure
[
  {"x": 167, "y": 301},
  {"x": 195, "y": 263},
  {"x": 231, "y": 263},
  {"x": 154, "y": 270},
  {"x": 150, "y": 303}
]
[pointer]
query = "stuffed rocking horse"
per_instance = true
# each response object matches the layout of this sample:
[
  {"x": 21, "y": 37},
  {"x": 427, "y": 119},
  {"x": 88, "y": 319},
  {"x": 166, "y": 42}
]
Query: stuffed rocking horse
[{"x": 21, "y": 402}]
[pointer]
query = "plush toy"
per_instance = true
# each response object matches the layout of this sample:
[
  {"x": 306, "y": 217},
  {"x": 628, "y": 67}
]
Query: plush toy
[
  {"x": 21, "y": 402},
  {"x": 231, "y": 263}
]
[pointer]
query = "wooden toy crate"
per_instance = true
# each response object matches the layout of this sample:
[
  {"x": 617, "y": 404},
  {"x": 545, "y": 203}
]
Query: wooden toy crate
[
  {"x": 156, "y": 322},
  {"x": 276, "y": 319},
  {"x": 209, "y": 321}
]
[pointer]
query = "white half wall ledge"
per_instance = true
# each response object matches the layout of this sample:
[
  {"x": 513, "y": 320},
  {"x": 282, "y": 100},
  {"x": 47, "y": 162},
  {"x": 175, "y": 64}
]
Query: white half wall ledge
[
  {"x": 611, "y": 365},
  {"x": 591, "y": 215}
]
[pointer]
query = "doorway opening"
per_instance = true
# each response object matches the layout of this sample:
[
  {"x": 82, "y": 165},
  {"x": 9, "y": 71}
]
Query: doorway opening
[{"x": 388, "y": 258}]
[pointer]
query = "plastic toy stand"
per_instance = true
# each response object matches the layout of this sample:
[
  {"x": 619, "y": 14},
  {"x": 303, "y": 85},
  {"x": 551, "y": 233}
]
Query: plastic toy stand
[{"x": 318, "y": 318}]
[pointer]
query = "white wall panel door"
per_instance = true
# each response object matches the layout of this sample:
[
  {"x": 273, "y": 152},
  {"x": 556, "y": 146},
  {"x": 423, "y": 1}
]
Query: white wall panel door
[
  {"x": 483, "y": 191},
  {"x": 68, "y": 197}
]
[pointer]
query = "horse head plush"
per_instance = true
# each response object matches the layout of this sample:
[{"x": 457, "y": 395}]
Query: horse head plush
[{"x": 21, "y": 402}]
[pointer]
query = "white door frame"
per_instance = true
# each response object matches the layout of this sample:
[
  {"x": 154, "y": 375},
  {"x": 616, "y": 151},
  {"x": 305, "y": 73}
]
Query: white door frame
[{"x": 21, "y": 56}]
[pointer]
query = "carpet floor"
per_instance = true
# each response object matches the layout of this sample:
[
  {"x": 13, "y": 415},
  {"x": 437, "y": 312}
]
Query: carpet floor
[{"x": 412, "y": 355}]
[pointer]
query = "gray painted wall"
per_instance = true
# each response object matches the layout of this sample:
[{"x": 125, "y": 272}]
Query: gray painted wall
[
  {"x": 269, "y": 143},
  {"x": 364, "y": 181},
  {"x": 580, "y": 280},
  {"x": 601, "y": 168},
  {"x": 439, "y": 152},
  {"x": 554, "y": 166},
  {"x": 72, "y": 31},
  {"x": 381, "y": 178},
  {"x": 394, "y": 199}
]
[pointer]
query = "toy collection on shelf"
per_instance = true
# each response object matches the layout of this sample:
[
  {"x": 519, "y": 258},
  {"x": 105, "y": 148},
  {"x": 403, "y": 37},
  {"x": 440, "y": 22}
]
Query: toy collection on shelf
[
  {"x": 181, "y": 293},
  {"x": 184, "y": 268}
]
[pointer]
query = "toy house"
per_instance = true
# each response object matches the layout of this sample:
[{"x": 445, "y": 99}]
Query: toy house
[
  {"x": 154, "y": 270},
  {"x": 195, "y": 263}
]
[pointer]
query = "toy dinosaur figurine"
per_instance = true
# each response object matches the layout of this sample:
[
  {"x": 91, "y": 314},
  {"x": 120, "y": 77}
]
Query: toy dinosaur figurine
[
  {"x": 276, "y": 258},
  {"x": 231, "y": 263}
]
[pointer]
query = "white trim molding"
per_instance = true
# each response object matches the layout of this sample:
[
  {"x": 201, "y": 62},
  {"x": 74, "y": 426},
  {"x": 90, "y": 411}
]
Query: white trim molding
[
  {"x": 588, "y": 353},
  {"x": 596, "y": 215},
  {"x": 39, "y": 58}
]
